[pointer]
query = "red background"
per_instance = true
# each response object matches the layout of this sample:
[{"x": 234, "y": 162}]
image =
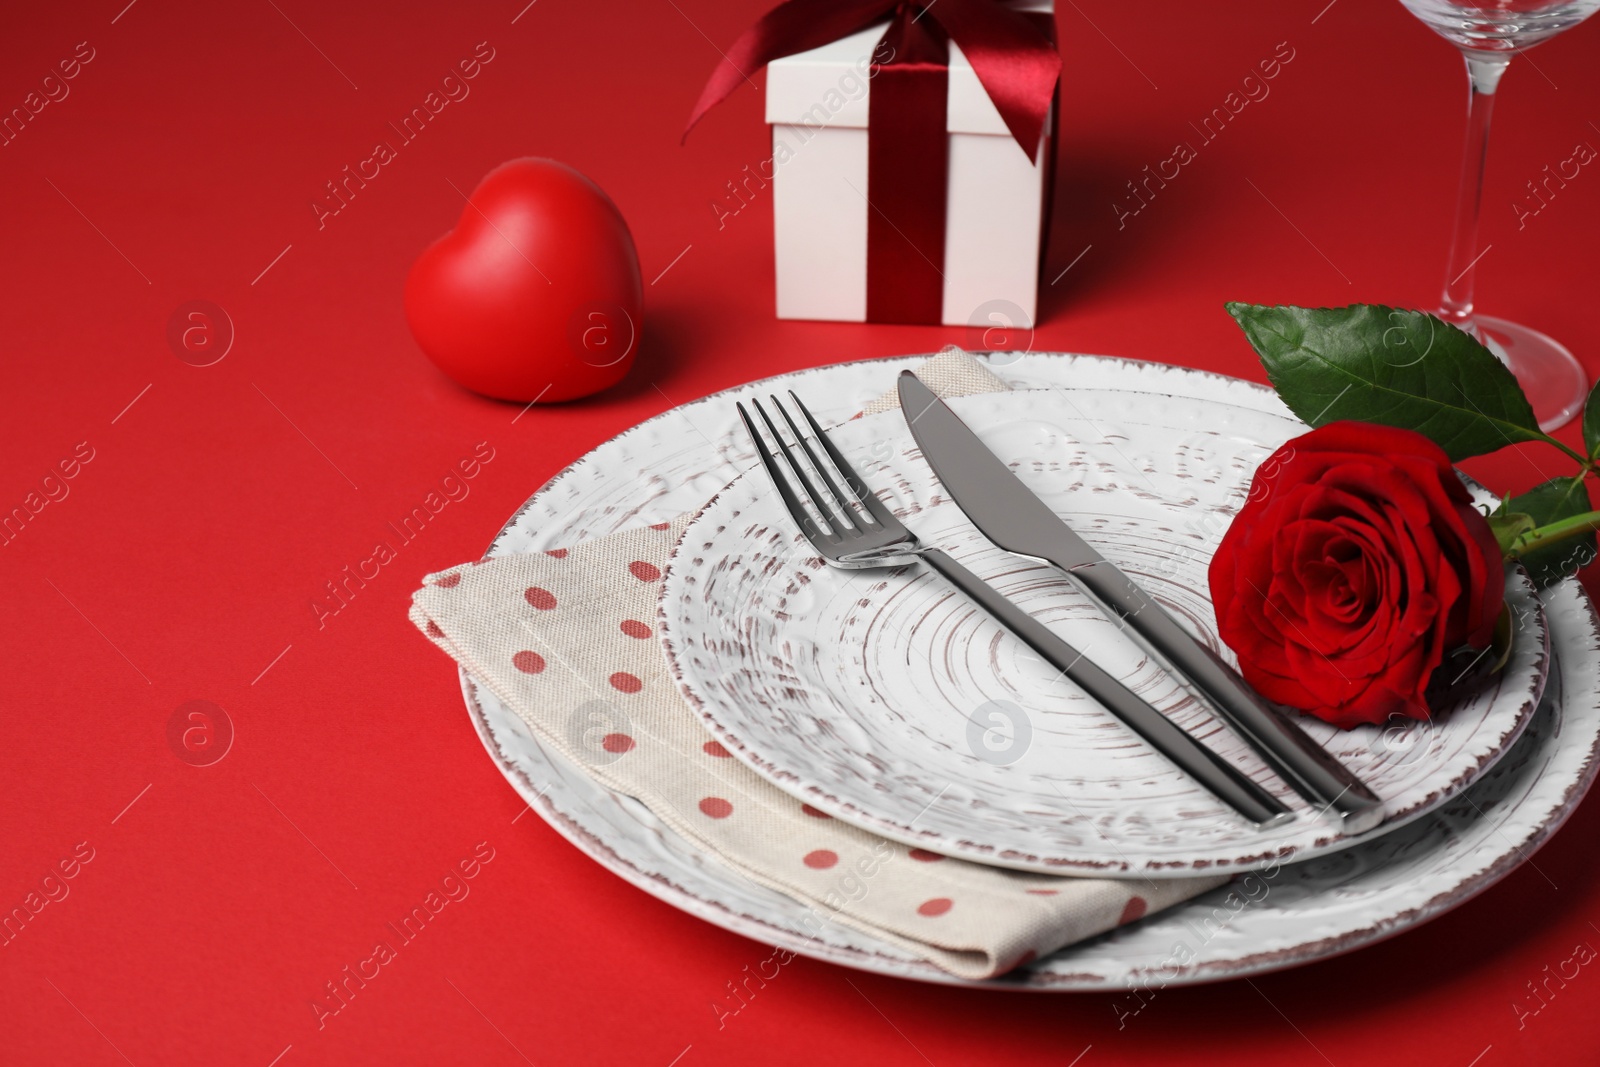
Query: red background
[{"x": 184, "y": 562}]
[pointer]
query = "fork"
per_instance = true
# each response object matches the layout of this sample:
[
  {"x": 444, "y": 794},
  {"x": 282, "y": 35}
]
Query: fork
[{"x": 858, "y": 531}]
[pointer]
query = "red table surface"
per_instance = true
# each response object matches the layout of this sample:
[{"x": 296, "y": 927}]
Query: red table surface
[{"x": 185, "y": 561}]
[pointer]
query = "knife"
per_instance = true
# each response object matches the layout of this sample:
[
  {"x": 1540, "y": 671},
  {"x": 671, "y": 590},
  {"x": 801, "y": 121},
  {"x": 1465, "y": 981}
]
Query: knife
[{"x": 1008, "y": 513}]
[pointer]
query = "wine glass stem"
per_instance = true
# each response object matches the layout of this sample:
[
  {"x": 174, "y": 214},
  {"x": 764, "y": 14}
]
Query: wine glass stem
[{"x": 1483, "y": 76}]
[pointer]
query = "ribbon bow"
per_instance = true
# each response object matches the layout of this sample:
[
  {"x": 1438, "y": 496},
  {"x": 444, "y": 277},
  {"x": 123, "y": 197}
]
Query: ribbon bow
[{"x": 1017, "y": 64}]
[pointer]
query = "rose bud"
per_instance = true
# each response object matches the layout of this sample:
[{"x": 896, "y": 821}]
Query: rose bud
[{"x": 1356, "y": 564}]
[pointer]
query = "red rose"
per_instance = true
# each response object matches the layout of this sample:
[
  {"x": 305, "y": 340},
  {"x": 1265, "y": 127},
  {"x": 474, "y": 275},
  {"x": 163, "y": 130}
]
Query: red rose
[{"x": 1357, "y": 562}]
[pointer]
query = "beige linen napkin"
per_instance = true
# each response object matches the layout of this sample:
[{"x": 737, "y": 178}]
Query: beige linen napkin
[{"x": 566, "y": 639}]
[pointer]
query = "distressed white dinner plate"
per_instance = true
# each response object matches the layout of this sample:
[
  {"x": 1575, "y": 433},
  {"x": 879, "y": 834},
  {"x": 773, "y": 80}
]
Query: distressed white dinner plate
[
  {"x": 887, "y": 699},
  {"x": 673, "y": 463}
]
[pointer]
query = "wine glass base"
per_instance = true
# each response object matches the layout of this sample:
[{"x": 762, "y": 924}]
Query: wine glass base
[{"x": 1549, "y": 374}]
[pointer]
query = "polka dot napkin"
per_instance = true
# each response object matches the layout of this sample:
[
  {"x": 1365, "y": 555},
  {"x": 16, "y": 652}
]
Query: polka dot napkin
[{"x": 566, "y": 639}]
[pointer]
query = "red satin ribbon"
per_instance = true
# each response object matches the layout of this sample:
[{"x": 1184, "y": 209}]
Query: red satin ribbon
[{"x": 907, "y": 149}]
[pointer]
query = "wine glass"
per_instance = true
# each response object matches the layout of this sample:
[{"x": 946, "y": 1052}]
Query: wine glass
[{"x": 1489, "y": 33}]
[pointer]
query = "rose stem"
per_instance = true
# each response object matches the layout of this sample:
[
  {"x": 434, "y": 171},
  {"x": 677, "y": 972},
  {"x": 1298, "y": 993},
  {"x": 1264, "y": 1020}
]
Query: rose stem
[{"x": 1556, "y": 532}]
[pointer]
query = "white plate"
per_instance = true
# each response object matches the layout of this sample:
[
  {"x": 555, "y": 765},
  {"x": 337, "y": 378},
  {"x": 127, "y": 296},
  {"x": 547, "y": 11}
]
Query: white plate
[
  {"x": 673, "y": 463},
  {"x": 887, "y": 699}
]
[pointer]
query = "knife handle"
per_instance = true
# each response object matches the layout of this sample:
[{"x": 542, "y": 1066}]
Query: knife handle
[
  {"x": 1217, "y": 775},
  {"x": 1287, "y": 749}
]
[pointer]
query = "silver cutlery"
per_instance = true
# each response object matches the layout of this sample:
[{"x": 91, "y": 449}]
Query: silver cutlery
[
  {"x": 1008, "y": 513},
  {"x": 856, "y": 531}
]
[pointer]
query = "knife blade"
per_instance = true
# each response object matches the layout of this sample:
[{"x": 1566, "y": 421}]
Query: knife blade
[{"x": 1009, "y": 514}]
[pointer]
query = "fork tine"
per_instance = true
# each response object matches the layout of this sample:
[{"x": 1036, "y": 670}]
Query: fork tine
[
  {"x": 780, "y": 482},
  {"x": 867, "y": 497},
  {"x": 842, "y": 498},
  {"x": 842, "y": 526}
]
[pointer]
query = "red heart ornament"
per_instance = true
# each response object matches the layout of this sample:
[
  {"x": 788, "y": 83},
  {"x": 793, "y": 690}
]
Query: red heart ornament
[{"x": 536, "y": 294}]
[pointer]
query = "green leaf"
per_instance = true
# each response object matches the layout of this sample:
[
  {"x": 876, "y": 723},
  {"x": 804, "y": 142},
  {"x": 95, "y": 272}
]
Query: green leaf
[
  {"x": 1591, "y": 423},
  {"x": 1401, "y": 368},
  {"x": 1508, "y": 527},
  {"x": 1559, "y": 498}
]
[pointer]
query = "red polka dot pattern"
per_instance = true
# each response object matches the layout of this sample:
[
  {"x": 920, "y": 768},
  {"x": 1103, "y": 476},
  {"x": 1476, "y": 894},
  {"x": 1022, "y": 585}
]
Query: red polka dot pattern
[
  {"x": 821, "y": 859},
  {"x": 1134, "y": 909},
  {"x": 645, "y": 572},
  {"x": 814, "y": 813},
  {"x": 556, "y": 553},
  {"x": 449, "y": 581},
  {"x": 922, "y": 855},
  {"x": 543, "y": 599},
  {"x": 935, "y": 907},
  {"x": 433, "y": 629},
  {"x": 617, "y": 743},
  {"x": 713, "y": 748},
  {"x": 635, "y": 628},
  {"x": 660, "y": 525},
  {"x": 715, "y": 808},
  {"x": 623, "y": 682},
  {"x": 528, "y": 662}
]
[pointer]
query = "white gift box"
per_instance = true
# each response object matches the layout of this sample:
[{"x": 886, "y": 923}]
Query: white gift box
[{"x": 817, "y": 105}]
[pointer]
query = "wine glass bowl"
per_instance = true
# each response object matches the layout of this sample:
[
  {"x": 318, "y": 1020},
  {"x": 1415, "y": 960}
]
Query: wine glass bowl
[
  {"x": 1489, "y": 33},
  {"x": 1508, "y": 26}
]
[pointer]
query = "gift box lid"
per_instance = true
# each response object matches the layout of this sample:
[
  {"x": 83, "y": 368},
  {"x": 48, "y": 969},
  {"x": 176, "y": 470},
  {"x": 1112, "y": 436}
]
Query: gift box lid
[{"x": 829, "y": 86}]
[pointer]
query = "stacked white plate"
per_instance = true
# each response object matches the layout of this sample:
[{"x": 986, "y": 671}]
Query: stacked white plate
[{"x": 900, "y": 708}]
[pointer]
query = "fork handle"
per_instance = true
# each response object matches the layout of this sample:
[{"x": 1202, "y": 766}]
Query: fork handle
[{"x": 1218, "y": 776}]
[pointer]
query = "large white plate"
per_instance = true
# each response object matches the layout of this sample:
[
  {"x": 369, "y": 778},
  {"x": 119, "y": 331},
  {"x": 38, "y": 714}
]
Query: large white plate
[
  {"x": 887, "y": 699},
  {"x": 673, "y": 463}
]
